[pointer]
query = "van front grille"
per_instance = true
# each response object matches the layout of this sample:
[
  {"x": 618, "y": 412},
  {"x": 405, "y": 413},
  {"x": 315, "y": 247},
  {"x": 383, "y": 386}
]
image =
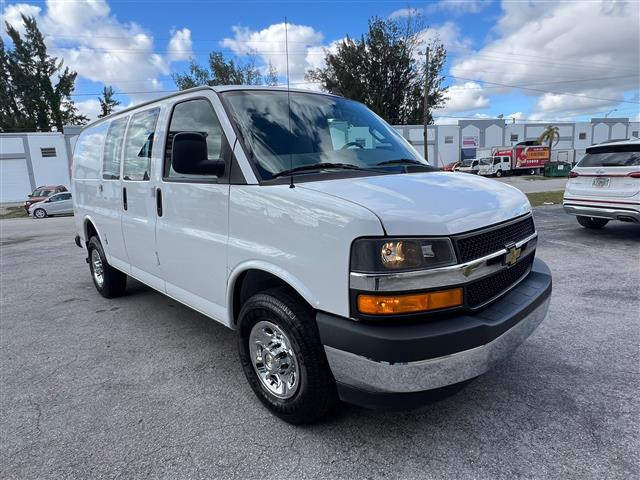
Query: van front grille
[
  {"x": 485, "y": 289},
  {"x": 480, "y": 244}
]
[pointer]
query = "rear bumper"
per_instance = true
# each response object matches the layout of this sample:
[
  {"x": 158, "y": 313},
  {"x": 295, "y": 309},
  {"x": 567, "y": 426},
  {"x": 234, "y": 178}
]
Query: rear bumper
[
  {"x": 396, "y": 365},
  {"x": 609, "y": 212}
]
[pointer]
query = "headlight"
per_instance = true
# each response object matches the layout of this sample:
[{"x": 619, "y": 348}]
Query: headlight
[{"x": 371, "y": 255}]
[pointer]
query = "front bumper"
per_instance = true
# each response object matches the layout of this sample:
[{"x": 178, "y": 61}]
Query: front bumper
[
  {"x": 373, "y": 364},
  {"x": 608, "y": 212}
]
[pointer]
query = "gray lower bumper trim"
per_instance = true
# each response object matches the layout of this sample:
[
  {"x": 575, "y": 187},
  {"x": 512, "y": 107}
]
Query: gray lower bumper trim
[
  {"x": 361, "y": 372},
  {"x": 611, "y": 213}
]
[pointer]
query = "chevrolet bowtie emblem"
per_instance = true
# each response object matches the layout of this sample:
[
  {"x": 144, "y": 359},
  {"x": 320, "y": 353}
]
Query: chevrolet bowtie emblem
[{"x": 512, "y": 256}]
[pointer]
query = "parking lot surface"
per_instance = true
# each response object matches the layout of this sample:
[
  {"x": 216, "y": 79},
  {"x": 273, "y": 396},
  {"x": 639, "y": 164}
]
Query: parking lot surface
[
  {"x": 534, "y": 184},
  {"x": 143, "y": 387}
]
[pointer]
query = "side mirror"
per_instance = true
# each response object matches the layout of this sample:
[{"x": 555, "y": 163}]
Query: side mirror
[{"x": 189, "y": 155}]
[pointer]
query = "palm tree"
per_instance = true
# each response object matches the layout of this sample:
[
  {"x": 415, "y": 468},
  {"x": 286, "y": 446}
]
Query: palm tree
[{"x": 551, "y": 135}]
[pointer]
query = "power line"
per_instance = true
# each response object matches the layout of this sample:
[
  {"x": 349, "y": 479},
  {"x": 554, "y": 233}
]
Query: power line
[{"x": 544, "y": 91}]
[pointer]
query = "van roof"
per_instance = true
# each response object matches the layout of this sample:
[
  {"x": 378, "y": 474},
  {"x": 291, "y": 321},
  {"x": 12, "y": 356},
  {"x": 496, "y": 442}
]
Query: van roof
[{"x": 217, "y": 89}]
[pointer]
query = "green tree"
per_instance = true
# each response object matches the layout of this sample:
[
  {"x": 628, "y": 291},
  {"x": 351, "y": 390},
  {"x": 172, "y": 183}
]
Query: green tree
[
  {"x": 551, "y": 135},
  {"x": 385, "y": 70},
  {"x": 107, "y": 102},
  {"x": 29, "y": 100},
  {"x": 221, "y": 71}
]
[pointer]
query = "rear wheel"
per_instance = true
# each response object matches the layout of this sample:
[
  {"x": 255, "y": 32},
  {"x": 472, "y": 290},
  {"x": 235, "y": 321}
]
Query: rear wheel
[
  {"x": 592, "y": 222},
  {"x": 283, "y": 358},
  {"x": 109, "y": 281},
  {"x": 39, "y": 213}
]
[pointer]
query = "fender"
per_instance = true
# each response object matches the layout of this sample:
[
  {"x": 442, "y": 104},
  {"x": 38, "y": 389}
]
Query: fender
[
  {"x": 88, "y": 218},
  {"x": 274, "y": 270}
]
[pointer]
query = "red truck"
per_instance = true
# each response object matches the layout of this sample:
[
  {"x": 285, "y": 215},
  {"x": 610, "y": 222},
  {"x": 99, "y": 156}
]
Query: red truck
[{"x": 521, "y": 158}]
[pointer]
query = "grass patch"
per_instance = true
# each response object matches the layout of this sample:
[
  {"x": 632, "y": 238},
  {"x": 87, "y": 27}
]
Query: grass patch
[
  {"x": 14, "y": 212},
  {"x": 539, "y": 198}
]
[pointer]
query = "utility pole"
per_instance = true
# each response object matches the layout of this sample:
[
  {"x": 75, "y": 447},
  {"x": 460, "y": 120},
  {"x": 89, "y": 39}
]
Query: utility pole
[{"x": 426, "y": 105}]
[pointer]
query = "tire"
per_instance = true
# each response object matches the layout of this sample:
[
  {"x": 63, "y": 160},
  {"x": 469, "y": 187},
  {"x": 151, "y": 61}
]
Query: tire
[
  {"x": 592, "y": 222},
  {"x": 499, "y": 173},
  {"x": 40, "y": 213},
  {"x": 113, "y": 282},
  {"x": 312, "y": 392}
]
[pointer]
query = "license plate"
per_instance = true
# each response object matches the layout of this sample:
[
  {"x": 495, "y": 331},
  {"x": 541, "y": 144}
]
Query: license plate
[{"x": 601, "y": 182}]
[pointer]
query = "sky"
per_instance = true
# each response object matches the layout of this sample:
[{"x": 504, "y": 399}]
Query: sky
[{"x": 528, "y": 60}]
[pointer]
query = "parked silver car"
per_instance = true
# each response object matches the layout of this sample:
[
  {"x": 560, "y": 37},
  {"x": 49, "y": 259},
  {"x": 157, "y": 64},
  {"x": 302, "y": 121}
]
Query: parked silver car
[{"x": 58, "y": 204}]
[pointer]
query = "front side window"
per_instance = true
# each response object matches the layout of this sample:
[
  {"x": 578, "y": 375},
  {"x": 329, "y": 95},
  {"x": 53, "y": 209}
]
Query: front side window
[
  {"x": 194, "y": 116},
  {"x": 331, "y": 132},
  {"x": 139, "y": 145},
  {"x": 113, "y": 149}
]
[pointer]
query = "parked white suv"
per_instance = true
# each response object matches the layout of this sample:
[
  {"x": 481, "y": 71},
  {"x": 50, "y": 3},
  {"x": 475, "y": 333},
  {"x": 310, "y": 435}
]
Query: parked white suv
[
  {"x": 605, "y": 185},
  {"x": 349, "y": 268}
]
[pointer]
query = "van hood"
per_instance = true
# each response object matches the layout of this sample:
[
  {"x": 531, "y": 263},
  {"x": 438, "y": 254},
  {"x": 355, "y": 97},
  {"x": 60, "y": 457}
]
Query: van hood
[{"x": 429, "y": 203}]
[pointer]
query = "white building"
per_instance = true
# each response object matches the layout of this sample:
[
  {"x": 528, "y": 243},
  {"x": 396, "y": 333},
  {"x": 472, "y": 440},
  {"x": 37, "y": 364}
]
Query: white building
[
  {"x": 450, "y": 143},
  {"x": 29, "y": 160}
]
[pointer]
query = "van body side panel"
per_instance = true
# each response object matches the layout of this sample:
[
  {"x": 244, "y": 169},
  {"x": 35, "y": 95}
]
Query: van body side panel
[
  {"x": 303, "y": 234},
  {"x": 86, "y": 176},
  {"x": 192, "y": 244},
  {"x": 139, "y": 218}
]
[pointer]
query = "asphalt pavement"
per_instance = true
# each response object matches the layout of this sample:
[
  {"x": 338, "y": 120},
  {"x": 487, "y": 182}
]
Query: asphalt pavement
[{"x": 143, "y": 387}]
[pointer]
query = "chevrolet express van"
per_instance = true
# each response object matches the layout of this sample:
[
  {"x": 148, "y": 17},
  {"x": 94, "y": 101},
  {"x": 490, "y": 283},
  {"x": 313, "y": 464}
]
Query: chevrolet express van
[{"x": 349, "y": 268}]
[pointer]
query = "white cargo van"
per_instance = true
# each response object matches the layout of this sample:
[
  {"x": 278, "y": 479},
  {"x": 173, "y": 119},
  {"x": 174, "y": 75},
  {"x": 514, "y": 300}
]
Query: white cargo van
[{"x": 349, "y": 268}]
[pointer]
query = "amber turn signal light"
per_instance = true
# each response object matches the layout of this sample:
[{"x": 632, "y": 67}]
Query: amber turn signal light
[{"x": 419, "y": 302}]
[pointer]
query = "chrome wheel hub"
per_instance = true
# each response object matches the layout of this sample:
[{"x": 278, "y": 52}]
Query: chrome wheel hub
[
  {"x": 96, "y": 264},
  {"x": 274, "y": 359}
]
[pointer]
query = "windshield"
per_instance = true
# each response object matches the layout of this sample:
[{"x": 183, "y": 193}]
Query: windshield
[
  {"x": 323, "y": 130},
  {"x": 466, "y": 163},
  {"x": 620, "y": 156},
  {"x": 42, "y": 193},
  {"x": 485, "y": 161}
]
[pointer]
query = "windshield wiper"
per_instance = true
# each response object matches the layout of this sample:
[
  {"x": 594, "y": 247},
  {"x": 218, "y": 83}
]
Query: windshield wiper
[
  {"x": 317, "y": 166},
  {"x": 402, "y": 161}
]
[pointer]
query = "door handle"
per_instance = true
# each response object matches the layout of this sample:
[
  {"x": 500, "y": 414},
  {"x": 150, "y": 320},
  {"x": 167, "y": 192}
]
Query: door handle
[
  {"x": 159, "y": 202},
  {"x": 124, "y": 198}
]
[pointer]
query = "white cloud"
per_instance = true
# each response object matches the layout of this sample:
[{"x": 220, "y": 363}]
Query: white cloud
[
  {"x": 449, "y": 34},
  {"x": 90, "y": 108},
  {"x": 464, "y": 97},
  {"x": 585, "y": 49},
  {"x": 180, "y": 45},
  {"x": 94, "y": 43},
  {"x": 405, "y": 12},
  {"x": 305, "y": 47},
  {"x": 454, "y": 7}
]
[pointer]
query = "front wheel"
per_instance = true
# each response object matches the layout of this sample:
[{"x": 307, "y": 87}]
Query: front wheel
[
  {"x": 283, "y": 358},
  {"x": 109, "y": 281},
  {"x": 40, "y": 213},
  {"x": 499, "y": 173},
  {"x": 592, "y": 222}
]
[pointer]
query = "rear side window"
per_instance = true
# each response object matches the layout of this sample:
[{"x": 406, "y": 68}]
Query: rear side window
[
  {"x": 139, "y": 145},
  {"x": 113, "y": 149},
  {"x": 194, "y": 116},
  {"x": 87, "y": 154},
  {"x": 620, "y": 156},
  {"x": 65, "y": 196}
]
